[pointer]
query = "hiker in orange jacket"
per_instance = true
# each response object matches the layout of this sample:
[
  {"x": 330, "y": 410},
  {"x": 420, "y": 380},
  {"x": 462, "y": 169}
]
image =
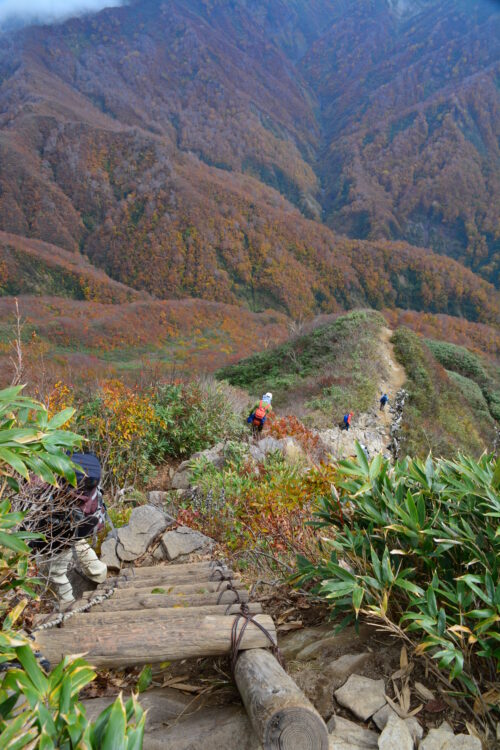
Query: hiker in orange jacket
[
  {"x": 347, "y": 420},
  {"x": 259, "y": 413}
]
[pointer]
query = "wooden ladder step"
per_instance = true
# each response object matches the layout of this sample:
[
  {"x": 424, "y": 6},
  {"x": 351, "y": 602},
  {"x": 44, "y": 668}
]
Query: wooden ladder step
[{"x": 154, "y": 641}]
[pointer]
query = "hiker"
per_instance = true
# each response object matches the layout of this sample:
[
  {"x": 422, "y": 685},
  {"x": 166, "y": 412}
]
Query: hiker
[
  {"x": 258, "y": 415},
  {"x": 383, "y": 401},
  {"x": 70, "y": 515},
  {"x": 347, "y": 420}
]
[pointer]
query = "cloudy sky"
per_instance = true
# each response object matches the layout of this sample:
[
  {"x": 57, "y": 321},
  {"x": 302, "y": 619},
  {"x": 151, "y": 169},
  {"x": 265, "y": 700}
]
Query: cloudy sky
[{"x": 25, "y": 11}]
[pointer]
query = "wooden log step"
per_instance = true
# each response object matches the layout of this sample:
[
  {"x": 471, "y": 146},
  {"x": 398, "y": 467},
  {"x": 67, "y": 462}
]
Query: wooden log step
[
  {"x": 186, "y": 589},
  {"x": 95, "y": 619},
  {"x": 154, "y": 642},
  {"x": 281, "y": 715},
  {"x": 166, "y": 577},
  {"x": 190, "y": 568},
  {"x": 164, "y": 601}
]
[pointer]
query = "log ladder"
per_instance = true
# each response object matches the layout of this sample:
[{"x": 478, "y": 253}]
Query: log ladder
[{"x": 168, "y": 612}]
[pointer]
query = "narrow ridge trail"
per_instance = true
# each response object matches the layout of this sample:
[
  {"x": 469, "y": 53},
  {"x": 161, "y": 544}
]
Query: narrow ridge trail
[{"x": 371, "y": 428}]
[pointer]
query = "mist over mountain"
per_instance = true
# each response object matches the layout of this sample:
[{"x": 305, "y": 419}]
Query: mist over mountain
[
  {"x": 17, "y": 13},
  {"x": 306, "y": 156}
]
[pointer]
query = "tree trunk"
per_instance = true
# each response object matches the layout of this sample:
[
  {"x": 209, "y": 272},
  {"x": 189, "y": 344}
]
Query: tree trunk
[
  {"x": 152, "y": 642},
  {"x": 280, "y": 714}
]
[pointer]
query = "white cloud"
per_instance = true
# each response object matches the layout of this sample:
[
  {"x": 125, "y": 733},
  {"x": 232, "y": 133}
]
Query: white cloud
[{"x": 46, "y": 11}]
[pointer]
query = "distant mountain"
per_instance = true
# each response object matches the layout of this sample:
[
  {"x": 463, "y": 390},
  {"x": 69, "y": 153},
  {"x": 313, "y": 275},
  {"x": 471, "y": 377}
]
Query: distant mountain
[{"x": 208, "y": 148}]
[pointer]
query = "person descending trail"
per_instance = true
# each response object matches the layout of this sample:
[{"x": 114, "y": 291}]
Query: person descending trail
[
  {"x": 383, "y": 401},
  {"x": 347, "y": 420},
  {"x": 68, "y": 517},
  {"x": 259, "y": 413}
]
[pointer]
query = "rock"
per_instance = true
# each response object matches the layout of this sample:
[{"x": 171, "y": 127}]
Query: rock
[
  {"x": 351, "y": 734},
  {"x": 342, "y": 668},
  {"x": 162, "y": 705},
  {"x": 292, "y": 643},
  {"x": 362, "y": 696},
  {"x": 215, "y": 455},
  {"x": 416, "y": 729},
  {"x": 108, "y": 554},
  {"x": 395, "y": 735},
  {"x": 381, "y": 718},
  {"x": 181, "y": 479},
  {"x": 325, "y": 647},
  {"x": 145, "y": 523},
  {"x": 462, "y": 742},
  {"x": 270, "y": 445},
  {"x": 158, "y": 498},
  {"x": 183, "y": 541},
  {"x": 436, "y": 738},
  {"x": 159, "y": 554},
  {"x": 210, "y": 729}
]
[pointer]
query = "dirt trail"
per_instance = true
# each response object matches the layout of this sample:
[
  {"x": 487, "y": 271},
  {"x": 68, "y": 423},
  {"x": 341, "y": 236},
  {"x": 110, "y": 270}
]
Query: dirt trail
[{"x": 371, "y": 428}]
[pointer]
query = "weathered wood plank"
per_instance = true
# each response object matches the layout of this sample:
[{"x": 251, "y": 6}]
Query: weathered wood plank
[
  {"x": 153, "y": 642},
  {"x": 154, "y": 601},
  {"x": 280, "y": 714},
  {"x": 167, "y": 579},
  {"x": 103, "y": 619}
]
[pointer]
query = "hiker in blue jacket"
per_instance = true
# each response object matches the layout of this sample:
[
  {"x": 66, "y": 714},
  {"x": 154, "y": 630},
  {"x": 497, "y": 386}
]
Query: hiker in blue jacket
[{"x": 383, "y": 401}]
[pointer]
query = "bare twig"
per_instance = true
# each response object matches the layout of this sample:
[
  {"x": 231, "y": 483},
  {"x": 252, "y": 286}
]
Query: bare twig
[{"x": 17, "y": 357}]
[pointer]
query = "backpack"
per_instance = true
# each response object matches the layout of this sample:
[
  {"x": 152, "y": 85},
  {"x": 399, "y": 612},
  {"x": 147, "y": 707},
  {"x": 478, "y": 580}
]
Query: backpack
[
  {"x": 88, "y": 513},
  {"x": 260, "y": 412}
]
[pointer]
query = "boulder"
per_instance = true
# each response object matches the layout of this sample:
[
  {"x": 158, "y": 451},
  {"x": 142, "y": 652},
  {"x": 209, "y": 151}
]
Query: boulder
[
  {"x": 437, "y": 738},
  {"x": 361, "y": 695},
  {"x": 182, "y": 541},
  {"x": 157, "y": 498},
  {"x": 215, "y": 455},
  {"x": 343, "y": 667},
  {"x": 462, "y": 742},
  {"x": 145, "y": 524},
  {"x": 345, "y": 732},
  {"x": 108, "y": 554},
  {"x": 395, "y": 735},
  {"x": 382, "y": 717},
  {"x": 180, "y": 480}
]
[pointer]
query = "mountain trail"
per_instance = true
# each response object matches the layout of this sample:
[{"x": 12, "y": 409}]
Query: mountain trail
[{"x": 371, "y": 428}]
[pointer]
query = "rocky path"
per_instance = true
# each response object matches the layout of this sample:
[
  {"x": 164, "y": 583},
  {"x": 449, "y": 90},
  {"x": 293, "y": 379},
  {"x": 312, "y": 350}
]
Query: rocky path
[{"x": 371, "y": 428}]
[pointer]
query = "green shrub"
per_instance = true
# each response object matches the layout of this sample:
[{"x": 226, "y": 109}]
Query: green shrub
[
  {"x": 437, "y": 417},
  {"x": 189, "y": 418},
  {"x": 420, "y": 553},
  {"x": 463, "y": 362}
]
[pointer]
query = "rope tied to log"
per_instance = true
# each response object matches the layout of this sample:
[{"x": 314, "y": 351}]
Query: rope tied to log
[
  {"x": 222, "y": 575},
  {"x": 61, "y": 618},
  {"x": 228, "y": 587},
  {"x": 236, "y": 638}
]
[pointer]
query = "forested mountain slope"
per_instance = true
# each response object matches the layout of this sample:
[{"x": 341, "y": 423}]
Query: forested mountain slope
[
  {"x": 145, "y": 134},
  {"x": 265, "y": 155}
]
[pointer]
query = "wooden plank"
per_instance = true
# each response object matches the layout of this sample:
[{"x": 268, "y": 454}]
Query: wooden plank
[
  {"x": 167, "y": 579},
  {"x": 164, "y": 601},
  {"x": 182, "y": 568},
  {"x": 280, "y": 714},
  {"x": 95, "y": 619},
  {"x": 151, "y": 643},
  {"x": 186, "y": 589}
]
